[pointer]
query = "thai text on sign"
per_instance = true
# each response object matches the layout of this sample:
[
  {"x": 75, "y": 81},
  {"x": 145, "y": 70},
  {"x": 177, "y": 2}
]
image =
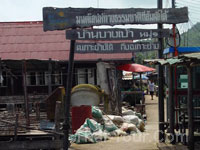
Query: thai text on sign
[
  {"x": 65, "y": 18},
  {"x": 115, "y": 34},
  {"x": 115, "y": 47}
]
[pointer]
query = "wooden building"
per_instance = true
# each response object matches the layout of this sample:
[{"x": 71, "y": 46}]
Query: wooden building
[{"x": 27, "y": 52}]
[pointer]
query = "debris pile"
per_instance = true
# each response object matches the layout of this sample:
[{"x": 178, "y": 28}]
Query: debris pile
[{"x": 103, "y": 126}]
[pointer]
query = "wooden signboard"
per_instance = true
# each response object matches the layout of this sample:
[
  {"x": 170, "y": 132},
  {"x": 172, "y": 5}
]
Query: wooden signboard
[
  {"x": 116, "y": 47},
  {"x": 65, "y": 18},
  {"x": 115, "y": 34}
]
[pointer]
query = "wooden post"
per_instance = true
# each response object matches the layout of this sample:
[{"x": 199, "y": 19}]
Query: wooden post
[
  {"x": 141, "y": 81},
  {"x": 171, "y": 105},
  {"x": 12, "y": 85},
  {"x": 58, "y": 115},
  {"x": 49, "y": 76},
  {"x": 66, "y": 125},
  {"x": 161, "y": 116},
  {"x": 37, "y": 106},
  {"x": 190, "y": 110},
  {"x": 16, "y": 126},
  {"x": 26, "y": 101},
  {"x": 119, "y": 85}
]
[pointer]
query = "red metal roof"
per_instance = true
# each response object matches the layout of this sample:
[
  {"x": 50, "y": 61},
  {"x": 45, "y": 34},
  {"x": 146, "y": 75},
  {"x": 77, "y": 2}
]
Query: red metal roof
[{"x": 27, "y": 40}]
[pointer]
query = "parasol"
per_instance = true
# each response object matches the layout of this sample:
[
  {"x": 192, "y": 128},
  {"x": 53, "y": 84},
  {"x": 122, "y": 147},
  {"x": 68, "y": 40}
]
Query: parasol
[{"x": 135, "y": 68}]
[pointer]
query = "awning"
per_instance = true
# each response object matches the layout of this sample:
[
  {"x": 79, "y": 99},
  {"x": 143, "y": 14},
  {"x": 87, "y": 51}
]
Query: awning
[{"x": 184, "y": 58}]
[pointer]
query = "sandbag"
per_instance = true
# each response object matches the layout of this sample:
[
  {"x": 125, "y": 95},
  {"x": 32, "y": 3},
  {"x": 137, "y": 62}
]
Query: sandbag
[
  {"x": 117, "y": 132},
  {"x": 141, "y": 125},
  {"x": 128, "y": 127},
  {"x": 118, "y": 120},
  {"x": 82, "y": 136},
  {"x": 100, "y": 135},
  {"x": 128, "y": 112},
  {"x": 96, "y": 112},
  {"x": 131, "y": 119},
  {"x": 109, "y": 126},
  {"x": 85, "y": 134},
  {"x": 139, "y": 115}
]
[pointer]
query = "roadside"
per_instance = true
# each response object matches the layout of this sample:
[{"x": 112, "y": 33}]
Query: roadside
[{"x": 141, "y": 141}]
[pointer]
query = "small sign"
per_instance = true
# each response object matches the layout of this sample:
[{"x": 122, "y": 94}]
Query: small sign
[
  {"x": 65, "y": 18},
  {"x": 116, "y": 47},
  {"x": 115, "y": 34}
]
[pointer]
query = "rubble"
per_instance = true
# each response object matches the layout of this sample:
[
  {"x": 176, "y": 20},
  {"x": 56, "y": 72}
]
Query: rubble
[{"x": 101, "y": 127}]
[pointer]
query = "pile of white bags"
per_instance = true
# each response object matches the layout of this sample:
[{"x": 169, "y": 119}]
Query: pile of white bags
[{"x": 111, "y": 125}]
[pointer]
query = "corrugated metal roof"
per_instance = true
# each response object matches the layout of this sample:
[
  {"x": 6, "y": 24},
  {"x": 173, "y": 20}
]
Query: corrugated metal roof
[
  {"x": 191, "y": 57},
  {"x": 27, "y": 40},
  {"x": 163, "y": 61}
]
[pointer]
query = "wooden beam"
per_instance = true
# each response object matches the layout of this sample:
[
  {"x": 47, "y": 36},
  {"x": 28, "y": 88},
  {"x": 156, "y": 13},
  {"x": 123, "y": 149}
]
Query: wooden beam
[
  {"x": 190, "y": 110},
  {"x": 26, "y": 145},
  {"x": 12, "y": 85},
  {"x": 20, "y": 99},
  {"x": 26, "y": 102},
  {"x": 171, "y": 106},
  {"x": 58, "y": 115},
  {"x": 49, "y": 76}
]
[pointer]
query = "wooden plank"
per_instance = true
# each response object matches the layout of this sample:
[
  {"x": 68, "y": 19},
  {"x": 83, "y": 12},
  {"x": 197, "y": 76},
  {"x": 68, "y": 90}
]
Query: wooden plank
[
  {"x": 26, "y": 145},
  {"x": 65, "y": 18},
  {"x": 132, "y": 92},
  {"x": 116, "y": 47},
  {"x": 115, "y": 34},
  {"x": 20, "y": 99}
]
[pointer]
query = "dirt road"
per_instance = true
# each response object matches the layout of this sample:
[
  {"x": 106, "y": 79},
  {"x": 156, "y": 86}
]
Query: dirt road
[{"x": 142, "y": 141}]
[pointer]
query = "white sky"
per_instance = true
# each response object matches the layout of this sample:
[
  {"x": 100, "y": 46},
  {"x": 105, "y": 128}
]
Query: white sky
[{"x": 31, "y": 10}]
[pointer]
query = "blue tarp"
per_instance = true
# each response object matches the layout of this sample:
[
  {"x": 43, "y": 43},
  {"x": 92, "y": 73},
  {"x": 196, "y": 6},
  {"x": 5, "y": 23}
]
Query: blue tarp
[{"x": 182, "y": 50}]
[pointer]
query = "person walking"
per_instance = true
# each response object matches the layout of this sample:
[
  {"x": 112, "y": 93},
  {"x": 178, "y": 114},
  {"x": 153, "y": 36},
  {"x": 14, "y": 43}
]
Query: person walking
[{"x": 151, "y": 88}]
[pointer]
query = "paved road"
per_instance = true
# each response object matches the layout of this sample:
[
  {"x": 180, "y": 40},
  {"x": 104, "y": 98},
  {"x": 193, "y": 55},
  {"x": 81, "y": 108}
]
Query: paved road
[{"x": 143, "y": 141}]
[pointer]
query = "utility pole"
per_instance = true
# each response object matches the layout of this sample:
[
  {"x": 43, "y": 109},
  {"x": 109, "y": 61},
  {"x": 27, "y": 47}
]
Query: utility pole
[
  {"x": 160, "y": 83},
  {"x": 171, "y": 99},
  {"x": 174, "y": 33},
  {"x": 66, "y": 125},
  {"x": 173, "y": 3}
]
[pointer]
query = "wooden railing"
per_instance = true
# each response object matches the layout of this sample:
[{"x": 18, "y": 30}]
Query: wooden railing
[
  {"x": 20, "y": 99},
  {"x": 56, "y": 95}
]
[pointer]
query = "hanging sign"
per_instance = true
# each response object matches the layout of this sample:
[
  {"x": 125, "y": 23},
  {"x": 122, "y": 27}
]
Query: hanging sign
[
  {"x": 65, "y": 18},
  {"x": 116, "y": 47},
  {"x": 115, "y": 34}
]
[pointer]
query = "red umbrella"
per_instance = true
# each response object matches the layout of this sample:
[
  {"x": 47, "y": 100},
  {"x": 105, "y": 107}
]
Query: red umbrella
[{"x": 135, "y": 68}]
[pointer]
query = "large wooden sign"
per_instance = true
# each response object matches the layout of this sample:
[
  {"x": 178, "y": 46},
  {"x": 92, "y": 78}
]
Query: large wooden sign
[
  {"x": 115, "y": 34},
  {"x": 116, "y": 47},
  {"x": 64, "y": 18}
]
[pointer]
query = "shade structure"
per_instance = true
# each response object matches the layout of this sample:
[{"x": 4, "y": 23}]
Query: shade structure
[{"x": 135, "y": 68}]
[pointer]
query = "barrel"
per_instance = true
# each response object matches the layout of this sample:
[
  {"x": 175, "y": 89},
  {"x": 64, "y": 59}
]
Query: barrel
[
  {"x": 85, "y": 94},
  {"x": 79, "y": 114}
]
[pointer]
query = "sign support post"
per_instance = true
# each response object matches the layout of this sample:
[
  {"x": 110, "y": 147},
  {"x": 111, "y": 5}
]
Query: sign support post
[
  {"x": 66, "y": 125},
  {"x": 160, "y": 84}
]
